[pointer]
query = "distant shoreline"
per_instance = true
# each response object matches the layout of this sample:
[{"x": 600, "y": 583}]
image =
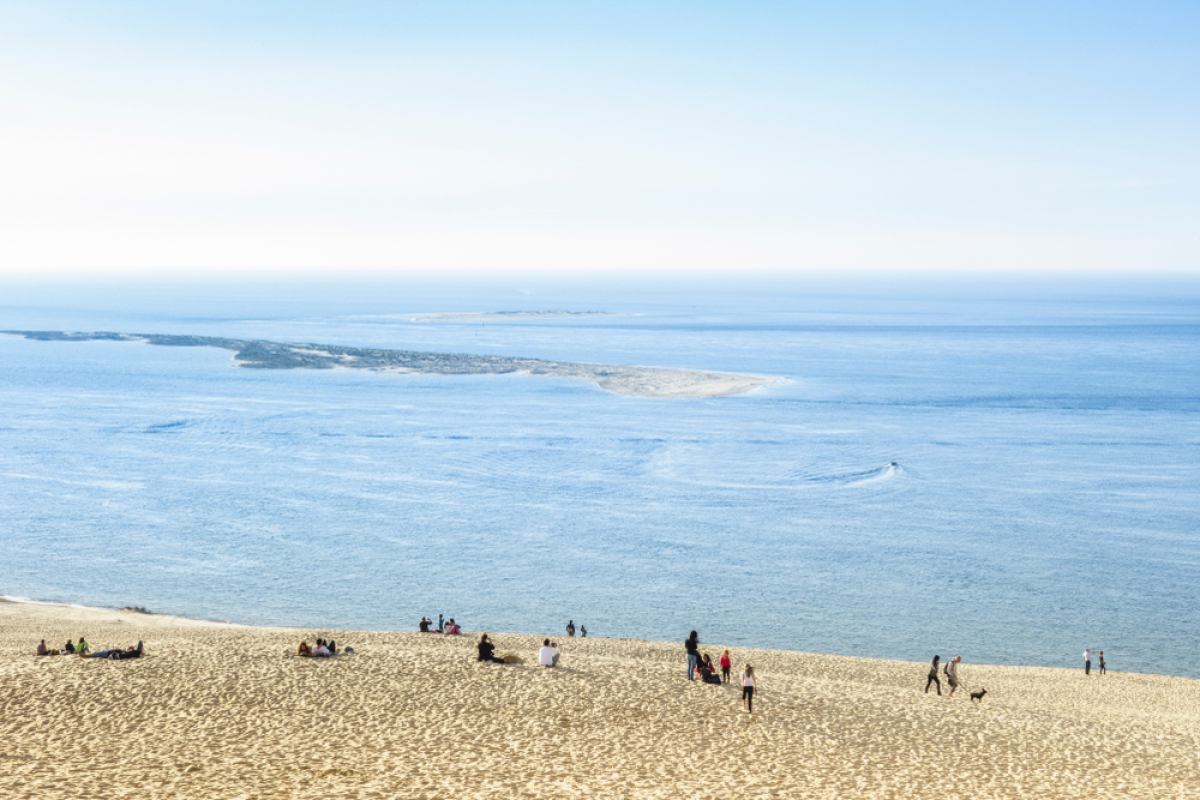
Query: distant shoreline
[
  {"x": 631, "y": 381},
  {"x": 488, "y": 316}
]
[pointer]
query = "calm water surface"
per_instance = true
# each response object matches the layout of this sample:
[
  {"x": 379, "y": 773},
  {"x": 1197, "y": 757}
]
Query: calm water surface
[{"x": 1011, "y": 481}]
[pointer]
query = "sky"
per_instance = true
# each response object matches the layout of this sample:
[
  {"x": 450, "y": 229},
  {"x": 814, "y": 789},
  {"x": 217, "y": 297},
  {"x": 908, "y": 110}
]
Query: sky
[{"x": 666, "y": 139}]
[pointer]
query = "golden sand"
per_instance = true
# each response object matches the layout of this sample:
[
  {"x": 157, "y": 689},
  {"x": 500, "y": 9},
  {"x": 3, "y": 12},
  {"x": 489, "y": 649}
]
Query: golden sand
[{"x": 221, "y": 712}]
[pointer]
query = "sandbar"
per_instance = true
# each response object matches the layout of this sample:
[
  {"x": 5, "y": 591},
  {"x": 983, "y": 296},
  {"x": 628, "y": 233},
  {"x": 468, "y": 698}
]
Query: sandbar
[
  {"x": 632, "y": 381},
  {"x": 216, "y": 711}
]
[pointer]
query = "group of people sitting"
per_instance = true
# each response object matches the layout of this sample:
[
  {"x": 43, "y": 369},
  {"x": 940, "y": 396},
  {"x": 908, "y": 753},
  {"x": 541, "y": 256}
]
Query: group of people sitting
[
  {"x": 549, "y": 653},
  {"x": 708, "y": 670},
  {"x": 70, "y": 648},
  {"x": 322, "y": 649},
  {"x": 84, "y": 649},
  {"x": 449, "y": 628}
]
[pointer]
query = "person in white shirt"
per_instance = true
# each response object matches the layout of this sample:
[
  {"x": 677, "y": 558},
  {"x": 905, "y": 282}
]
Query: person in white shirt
[
  {"x": 548, "y": 654},
  {"x": 749, "y": 688},
  {"x": 1087, "y": 661}
]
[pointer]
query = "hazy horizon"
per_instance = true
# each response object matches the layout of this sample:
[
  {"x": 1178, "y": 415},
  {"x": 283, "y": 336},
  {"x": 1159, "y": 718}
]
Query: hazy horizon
[{"x": 635, "y": 140}]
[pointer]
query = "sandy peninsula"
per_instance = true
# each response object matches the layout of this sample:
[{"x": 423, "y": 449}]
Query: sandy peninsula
[
  {"x": 633, "y": 381},
  {"x": 217, "y": 711}
]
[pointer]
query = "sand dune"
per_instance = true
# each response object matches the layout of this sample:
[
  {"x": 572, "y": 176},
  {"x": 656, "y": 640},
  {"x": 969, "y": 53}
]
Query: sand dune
[{"x": 219, "y": 711}]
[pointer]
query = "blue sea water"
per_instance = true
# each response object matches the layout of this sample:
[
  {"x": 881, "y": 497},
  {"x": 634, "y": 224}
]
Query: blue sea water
[{"x": 1012, "y": 480}]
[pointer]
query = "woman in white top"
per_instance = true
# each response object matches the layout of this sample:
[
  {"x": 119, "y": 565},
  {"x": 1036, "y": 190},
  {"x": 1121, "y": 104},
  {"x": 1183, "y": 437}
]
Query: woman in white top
[{"x": 749, "y": 688}]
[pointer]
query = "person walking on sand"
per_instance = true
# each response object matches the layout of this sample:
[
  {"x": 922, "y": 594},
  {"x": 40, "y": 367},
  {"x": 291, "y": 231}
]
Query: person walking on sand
[
  {"x": 1103, "y": 669},
  {"x": 692, "y": 645},
  {"x": 749, "y": 688},
  {"x": 571, "y": 628},
  {"x": 932, "y": 677},
  {"x": 952, "y": 673}
]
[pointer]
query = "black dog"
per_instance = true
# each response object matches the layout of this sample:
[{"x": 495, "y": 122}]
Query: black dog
[{"x": 978, "y": 695}]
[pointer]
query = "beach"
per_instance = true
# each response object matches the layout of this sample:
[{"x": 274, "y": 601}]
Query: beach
[{"x": 222, "y": 711}]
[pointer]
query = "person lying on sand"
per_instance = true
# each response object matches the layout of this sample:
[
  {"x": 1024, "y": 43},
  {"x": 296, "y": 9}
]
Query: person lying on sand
[
  {"x": 304, "y": 650},
  {"x": 321, "y": 651},
  {"x": 116, "y": 654}
]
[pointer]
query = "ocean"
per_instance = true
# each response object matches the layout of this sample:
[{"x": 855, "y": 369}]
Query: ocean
[{"x": 1006, "y": 478}]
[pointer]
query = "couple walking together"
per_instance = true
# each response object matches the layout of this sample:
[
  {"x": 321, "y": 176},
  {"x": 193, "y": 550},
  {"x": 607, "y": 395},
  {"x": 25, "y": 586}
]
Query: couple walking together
[{"x": 951, "y": 674}]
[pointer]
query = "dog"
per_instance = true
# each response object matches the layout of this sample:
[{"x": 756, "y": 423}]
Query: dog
[{"x": 978, "y": 695}]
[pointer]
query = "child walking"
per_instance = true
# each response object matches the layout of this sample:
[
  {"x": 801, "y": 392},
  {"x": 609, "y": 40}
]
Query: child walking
[
  {"x": 749, "y": 688},
  {"x": 726, "y": 666}
]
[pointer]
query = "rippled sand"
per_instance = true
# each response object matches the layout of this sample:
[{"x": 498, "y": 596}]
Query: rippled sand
[{"x": 222, "y": 712}]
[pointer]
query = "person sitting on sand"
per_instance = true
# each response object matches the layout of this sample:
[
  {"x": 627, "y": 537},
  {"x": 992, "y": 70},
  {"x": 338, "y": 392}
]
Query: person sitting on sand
[
  {"x": 453, "y": 629},
  {"x": 42, "y": 649},
  {"x": 69, "y": 647},
  {"x": 548, "y": 654},
  {"x": 304, "y": 650},
  {"x": 708, "y": 673},
  {"x": 487, "y": 650},
  {"x": 83, "y": 646},
  {"x": 424, "y": 626}
]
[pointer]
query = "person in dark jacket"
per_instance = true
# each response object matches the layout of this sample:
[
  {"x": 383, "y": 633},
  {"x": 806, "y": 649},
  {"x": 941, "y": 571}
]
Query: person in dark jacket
[
  {"x": 487, "y": 650},
  {"x": 933, "y": 676},
  {"x": 693, "y": 654}
]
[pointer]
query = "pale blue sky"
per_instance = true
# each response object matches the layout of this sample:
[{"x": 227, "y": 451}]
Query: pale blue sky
[{"x": 415, "y": 139}]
